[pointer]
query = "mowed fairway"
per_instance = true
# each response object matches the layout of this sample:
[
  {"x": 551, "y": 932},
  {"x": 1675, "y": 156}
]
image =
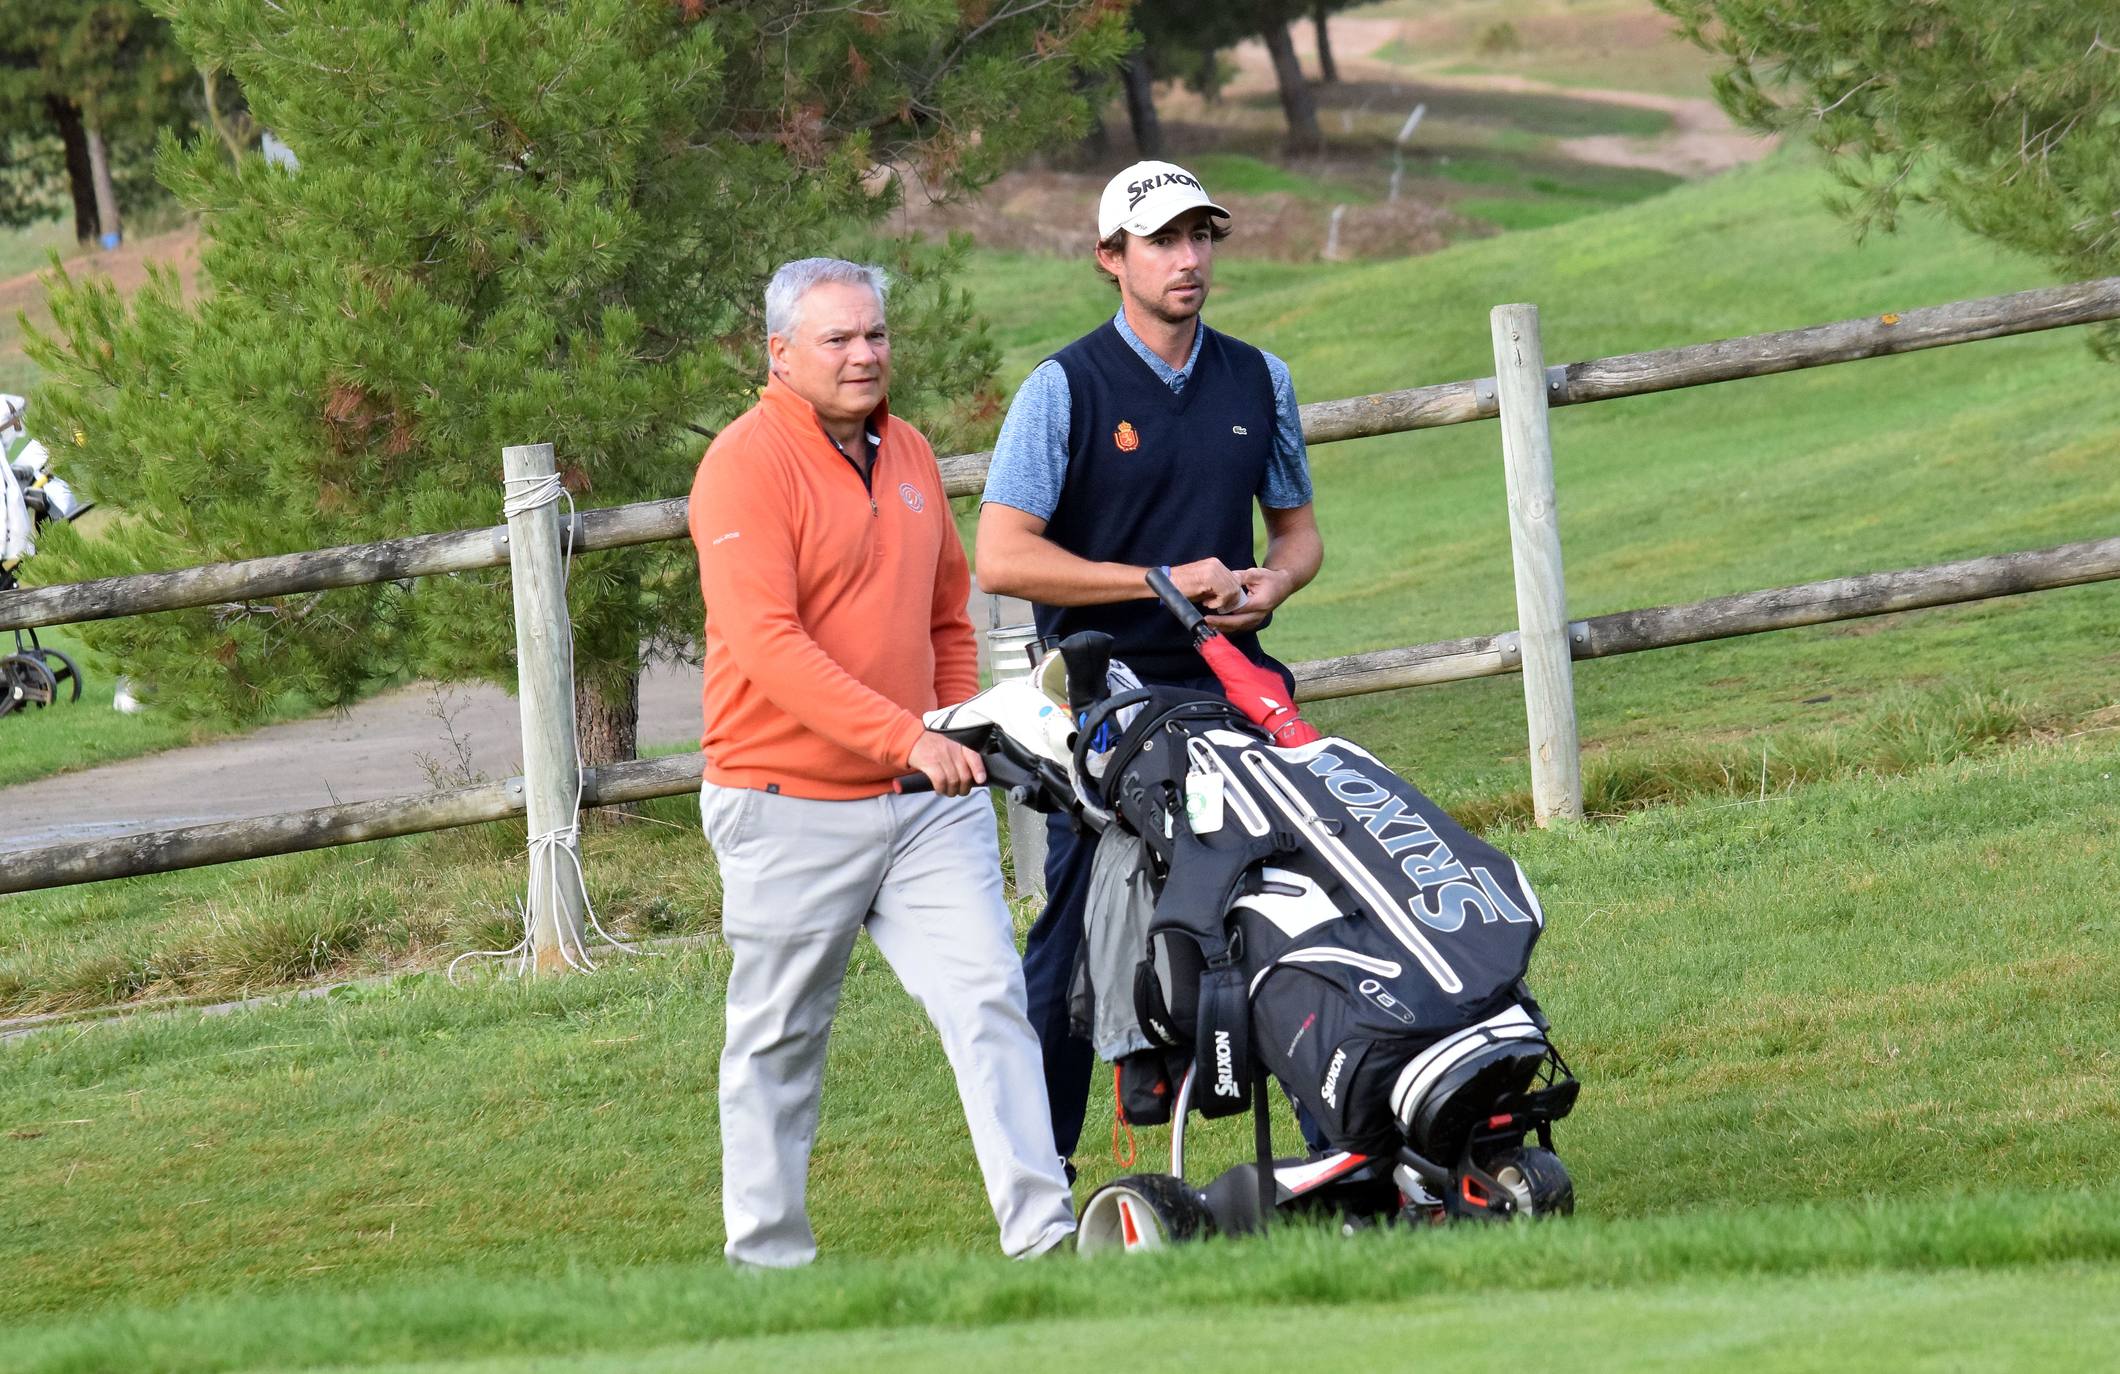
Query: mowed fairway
[
  {"x": 1837, "y": 965},
  {"x": 1857, "y": 1039}
]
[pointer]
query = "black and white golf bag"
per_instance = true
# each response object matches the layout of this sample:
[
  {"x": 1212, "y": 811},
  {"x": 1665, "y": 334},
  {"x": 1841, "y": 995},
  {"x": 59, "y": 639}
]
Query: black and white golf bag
[
  {"x": 1295, "y": 914},
  {"x": 1319, "y": 913}
]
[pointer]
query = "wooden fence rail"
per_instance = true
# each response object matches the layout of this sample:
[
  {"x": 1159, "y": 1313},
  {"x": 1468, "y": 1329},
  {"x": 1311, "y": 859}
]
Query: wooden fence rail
[
  {"x": 1391, "y": 412},
  {"x": 1722, "y": 617},
  {"x": 1386, "y": 413},
  {"x": 257, "y": 837},
  {"x": 1623, "y": 632}
]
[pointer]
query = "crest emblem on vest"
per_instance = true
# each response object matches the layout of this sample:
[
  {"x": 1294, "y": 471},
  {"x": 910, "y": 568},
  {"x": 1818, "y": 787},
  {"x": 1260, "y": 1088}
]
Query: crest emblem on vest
[
  {"x": 1126, "y": 437},
  {"x": 910, "y": 494}
]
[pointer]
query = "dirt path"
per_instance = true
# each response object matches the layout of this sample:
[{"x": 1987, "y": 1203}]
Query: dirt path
[{"x": 1700, "y": 142}]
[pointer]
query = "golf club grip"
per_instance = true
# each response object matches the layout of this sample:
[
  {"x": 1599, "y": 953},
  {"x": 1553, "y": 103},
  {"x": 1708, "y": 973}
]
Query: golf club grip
[
  {"x": 912, "y": 782},
  {"x": 1176, "y": 603}
]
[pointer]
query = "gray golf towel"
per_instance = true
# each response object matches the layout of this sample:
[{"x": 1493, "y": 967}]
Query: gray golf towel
[{"x": 1115, "y": 938}]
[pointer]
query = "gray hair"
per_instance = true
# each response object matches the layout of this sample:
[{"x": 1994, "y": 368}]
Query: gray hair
[{"x": 796, "y": 279}]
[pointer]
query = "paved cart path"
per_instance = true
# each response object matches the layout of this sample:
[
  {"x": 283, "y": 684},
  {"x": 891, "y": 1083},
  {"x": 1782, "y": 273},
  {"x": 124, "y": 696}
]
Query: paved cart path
[{"x": 399, "y": 743}]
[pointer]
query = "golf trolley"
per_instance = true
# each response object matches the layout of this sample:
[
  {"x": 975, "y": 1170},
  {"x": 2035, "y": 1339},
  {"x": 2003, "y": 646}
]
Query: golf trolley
[
  {"x": 30, "y": 496},
  {"x": 1297, "y": 914}
]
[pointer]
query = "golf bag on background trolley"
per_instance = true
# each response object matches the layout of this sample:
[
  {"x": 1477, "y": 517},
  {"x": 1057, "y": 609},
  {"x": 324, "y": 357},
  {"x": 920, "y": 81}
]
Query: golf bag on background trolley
[
  {"x": 31, "y": 496},
  {"x": 1271, "y": 904}
]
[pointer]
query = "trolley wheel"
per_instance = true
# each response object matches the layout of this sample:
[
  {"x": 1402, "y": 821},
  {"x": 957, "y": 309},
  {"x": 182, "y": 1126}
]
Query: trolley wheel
[
  {"x": 25, "y": 682},
  {"x": 62, "y": 668},
  {"x": 1537, "y": 1181},
  {"x": 1141, "y": 1212}
]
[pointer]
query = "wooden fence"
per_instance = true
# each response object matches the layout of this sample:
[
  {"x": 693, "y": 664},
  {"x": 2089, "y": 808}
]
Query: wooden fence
[{"x": 1543, "y": 646}]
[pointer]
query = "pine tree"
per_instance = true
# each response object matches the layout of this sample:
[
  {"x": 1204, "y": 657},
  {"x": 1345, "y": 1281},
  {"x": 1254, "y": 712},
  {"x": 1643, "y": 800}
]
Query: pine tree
[
  {"x": 2006, "y": 117},
  {"x": 511, "y": 223}
]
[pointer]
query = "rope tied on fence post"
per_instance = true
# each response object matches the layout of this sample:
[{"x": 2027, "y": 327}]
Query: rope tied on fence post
[{"x": 554, "y": 851}]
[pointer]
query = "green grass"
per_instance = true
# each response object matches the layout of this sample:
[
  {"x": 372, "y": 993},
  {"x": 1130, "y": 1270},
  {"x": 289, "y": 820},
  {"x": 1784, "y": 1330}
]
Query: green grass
[
  {"x": 1922, "y": 1286},
  {"x": 2008, "y": 1324},
  {"x": 17, "y": 373},
  {"x": 1893, "y": 462},
  {"x": 1837, "y": 975},
  {"x": 29, "y": 248},
  {"x": 1242, "y": 174},
  {"x": 23, "y": 250},
  {"x": 1515, "y": 214},
  {"x": 1537, "y": 192},
  {"x": 365, "y": 911},
  {"x": 1843, "y": 1047}
]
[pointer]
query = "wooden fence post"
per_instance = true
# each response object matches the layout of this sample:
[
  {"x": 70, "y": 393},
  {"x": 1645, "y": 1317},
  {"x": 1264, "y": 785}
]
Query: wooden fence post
[
  {"x": 544, "y": 665},
  {"x": 1535, "y": 548}
]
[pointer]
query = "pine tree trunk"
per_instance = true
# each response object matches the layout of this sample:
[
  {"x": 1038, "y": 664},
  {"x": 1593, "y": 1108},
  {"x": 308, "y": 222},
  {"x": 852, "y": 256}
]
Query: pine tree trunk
[
  {"x": 1210, "y": 74},
  {"x": 1328, "y": 70},
  {"x": 80, "y": 176},
  {"x": 1141, "y": 104},
  {"x": 109, "y": 234},
  {"x": 1297, "y": 105},
  {"x": 608, "y": 719}
]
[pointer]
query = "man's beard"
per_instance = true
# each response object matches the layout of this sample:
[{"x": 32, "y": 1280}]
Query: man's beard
[{"x": 1159, "y": 308}]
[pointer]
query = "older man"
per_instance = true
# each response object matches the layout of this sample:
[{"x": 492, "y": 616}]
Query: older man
[
  {"x": 1147, "y": 441},
  {"x": 835, "y": 590}
]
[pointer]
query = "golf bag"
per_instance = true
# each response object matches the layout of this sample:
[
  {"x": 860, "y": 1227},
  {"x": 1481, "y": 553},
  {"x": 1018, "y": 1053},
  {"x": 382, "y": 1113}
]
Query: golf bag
[
  {"x": 31, "y": 496},
  {"x": 1290, "y": 911},
  {"x": 1319, "y": 920}
]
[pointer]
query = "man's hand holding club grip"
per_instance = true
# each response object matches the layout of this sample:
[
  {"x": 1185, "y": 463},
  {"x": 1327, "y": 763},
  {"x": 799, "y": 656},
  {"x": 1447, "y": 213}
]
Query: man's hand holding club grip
[
  {"x": 1178, "y": 604},
  {"x": 1208, "y": 583}
]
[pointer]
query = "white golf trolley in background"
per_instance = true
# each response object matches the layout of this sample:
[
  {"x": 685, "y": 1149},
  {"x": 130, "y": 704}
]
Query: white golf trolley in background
[
  {"x": 1300, "y": 915},
  {"x": 31, "y": 495}
]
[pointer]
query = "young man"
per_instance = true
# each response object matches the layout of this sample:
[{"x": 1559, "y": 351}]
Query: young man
[
  {"x": 1146, "y": 442},
  {"x": 835, "y": 591}
]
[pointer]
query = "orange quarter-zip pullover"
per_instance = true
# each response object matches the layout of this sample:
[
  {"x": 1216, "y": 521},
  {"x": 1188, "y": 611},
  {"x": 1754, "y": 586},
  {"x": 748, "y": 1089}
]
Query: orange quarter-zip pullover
[{"x": 835, "y": 607}]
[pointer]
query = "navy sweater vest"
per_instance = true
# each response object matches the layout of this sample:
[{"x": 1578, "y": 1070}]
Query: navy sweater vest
[{"x": 1156, "y": 476}]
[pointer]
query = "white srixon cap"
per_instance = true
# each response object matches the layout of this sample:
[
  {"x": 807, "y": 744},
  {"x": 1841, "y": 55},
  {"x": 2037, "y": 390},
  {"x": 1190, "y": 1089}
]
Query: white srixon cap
[{"x": 1149, "y": 195}]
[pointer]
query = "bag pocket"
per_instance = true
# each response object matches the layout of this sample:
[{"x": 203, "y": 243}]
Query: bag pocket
[{"x": 1313, "y": 1036}]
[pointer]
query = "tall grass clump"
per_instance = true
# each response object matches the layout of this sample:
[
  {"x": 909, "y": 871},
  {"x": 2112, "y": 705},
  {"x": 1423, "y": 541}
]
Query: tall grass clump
[
  {"x": 1905, "y": 730},
  {"x": 370, "y": 910}
]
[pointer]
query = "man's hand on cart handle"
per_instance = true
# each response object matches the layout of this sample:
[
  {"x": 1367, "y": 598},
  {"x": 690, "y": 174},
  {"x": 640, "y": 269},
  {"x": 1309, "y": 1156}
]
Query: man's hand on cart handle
[{"x": 947, "y": 766}]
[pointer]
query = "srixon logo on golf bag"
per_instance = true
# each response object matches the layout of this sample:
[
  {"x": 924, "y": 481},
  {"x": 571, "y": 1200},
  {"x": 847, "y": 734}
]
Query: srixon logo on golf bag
[
  {"x": 1450, "y": 891},
  {"x": 1226, "y": 1084},
  {"x": 1330, "y": 1089}
]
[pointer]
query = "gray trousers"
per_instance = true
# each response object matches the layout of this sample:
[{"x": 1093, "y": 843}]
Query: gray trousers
[{"x": 923, "y": 873}]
